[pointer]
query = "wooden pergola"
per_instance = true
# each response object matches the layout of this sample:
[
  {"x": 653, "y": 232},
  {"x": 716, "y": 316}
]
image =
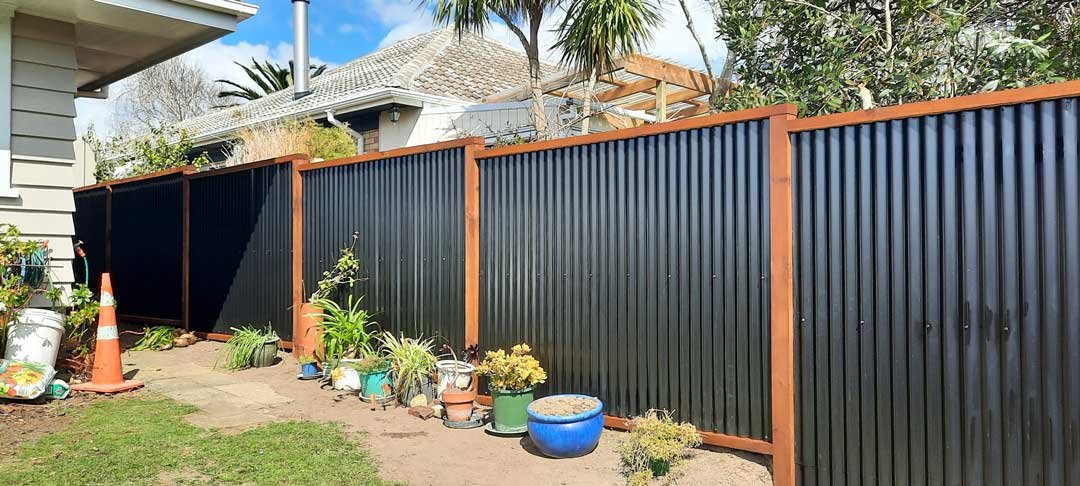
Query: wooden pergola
[{"x": 665, "y": 90}]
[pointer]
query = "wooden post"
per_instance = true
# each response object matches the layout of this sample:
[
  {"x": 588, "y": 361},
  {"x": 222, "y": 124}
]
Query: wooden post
[
  {"x": 661, "y": 102},
  {"x": 297, "y": 250},
  {"x": 185, "y": 310},
  {"x": 472, "y": 245},
  {"x": 782, "y": 288}
]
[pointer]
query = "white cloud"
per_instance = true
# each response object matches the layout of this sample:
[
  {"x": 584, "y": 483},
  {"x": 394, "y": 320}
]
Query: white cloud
[{"x": 216, "y": 58}]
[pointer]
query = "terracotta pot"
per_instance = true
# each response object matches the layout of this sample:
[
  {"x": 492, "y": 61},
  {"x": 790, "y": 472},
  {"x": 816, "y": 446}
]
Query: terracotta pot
[
  {"x": 307, "y": 336},
  {"x": 458, "y": 404}
]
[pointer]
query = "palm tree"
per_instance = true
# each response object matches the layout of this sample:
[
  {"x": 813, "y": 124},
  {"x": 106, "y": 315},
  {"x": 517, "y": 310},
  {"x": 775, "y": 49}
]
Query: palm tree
[
  {"x": 269, "y": 77},
  {"x": 475, "y": 16},
  {"x": 594, "y": 33}
]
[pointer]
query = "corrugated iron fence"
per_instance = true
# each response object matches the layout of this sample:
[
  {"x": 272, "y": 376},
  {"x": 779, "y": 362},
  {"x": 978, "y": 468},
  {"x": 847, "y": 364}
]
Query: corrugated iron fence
[
  {"x": 637, "y": 270},
  {"x": 938, "y": 282},
  {"x": 881, "y": 297},
  {"x": 134, "y": 231},
  {"x": 408, "y": 216},
  {"x": 240, "y": 249}
]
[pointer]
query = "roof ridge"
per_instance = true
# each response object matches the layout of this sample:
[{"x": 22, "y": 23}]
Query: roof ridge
[{"x": 422, "y": 60}]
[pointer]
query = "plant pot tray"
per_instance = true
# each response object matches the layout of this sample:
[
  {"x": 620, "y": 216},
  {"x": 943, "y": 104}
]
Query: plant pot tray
[
  {"x": 490, "y": 428},
  {"x": 477, "y": 420}
]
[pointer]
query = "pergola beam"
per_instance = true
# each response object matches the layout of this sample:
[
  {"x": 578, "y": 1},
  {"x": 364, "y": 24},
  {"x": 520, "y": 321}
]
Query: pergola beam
[
  {"x": 670, "y": 73},
  {"x": 686, "y": 95},
  {"x": 627, "y": 89}
]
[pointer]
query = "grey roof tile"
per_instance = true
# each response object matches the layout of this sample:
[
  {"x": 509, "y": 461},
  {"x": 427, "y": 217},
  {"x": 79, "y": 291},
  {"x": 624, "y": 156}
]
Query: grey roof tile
[{"x": 439, "y": 62}]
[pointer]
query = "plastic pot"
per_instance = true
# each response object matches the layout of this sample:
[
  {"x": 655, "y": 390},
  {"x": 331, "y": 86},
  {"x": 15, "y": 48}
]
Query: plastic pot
[
  {"x": 35, "y": 336},
  {"x": 308, "y": 339},
  {"x": 458, "y": 404},
  {"x": 309, "y": 370},
  {"x": 374, "y": 385},
  {"x": 445, "y": 369},
  {"x": 510, "y": 409},
  {"x": 265, "y": 356},
  {"x": 569, "y": 435},
  {"x": 426, "y": 388}
]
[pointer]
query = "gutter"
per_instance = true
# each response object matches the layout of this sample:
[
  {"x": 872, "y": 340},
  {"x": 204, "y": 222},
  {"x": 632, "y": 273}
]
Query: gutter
[
  {"x": 344, "y": 126},
  {"x": 357, "y": 102}
]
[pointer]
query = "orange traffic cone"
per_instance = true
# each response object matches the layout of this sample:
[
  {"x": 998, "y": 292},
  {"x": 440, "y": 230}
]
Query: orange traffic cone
[{"x": 108, "y": 377}]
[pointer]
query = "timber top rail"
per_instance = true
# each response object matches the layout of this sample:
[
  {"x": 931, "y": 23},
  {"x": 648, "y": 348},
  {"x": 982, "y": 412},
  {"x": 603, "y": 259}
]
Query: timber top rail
[{"x": 642, "y": 131}]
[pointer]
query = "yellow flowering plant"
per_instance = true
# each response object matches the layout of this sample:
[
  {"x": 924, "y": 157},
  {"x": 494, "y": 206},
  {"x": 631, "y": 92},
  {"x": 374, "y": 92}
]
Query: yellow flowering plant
[{"x": 517, "y": 370}]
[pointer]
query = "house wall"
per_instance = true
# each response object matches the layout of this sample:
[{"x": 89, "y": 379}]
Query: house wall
[
  {"x": 498, "y": 123},
  {"x": 42, "y": 135}
]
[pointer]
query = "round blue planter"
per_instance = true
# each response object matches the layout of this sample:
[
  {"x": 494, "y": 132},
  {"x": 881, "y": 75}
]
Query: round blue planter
[
  {"x": 569, "y": 436},
  {"x": 309, "y": 369}
]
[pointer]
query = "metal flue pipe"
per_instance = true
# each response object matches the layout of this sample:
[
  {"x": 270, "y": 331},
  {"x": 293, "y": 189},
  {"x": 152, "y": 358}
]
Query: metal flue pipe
[{"x": 301, "y": 70}]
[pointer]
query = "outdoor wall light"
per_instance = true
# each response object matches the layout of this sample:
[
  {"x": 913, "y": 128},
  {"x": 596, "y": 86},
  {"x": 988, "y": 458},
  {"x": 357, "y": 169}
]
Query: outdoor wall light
[{"x": 395, "y": 114}]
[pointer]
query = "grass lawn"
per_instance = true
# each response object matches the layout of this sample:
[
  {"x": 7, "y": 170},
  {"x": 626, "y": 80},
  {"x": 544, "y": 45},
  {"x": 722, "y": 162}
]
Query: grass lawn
[{"x": 146, "y": 441}]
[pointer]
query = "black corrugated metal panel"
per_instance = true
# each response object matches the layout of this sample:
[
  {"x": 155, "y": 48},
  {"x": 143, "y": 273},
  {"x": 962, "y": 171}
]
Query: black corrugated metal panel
[
  {"x": 938, "y": 277},
  {"x": 147, "y": 247},
  {"x": 637, "y": 271},
  {"x": 240, "y": 250},
  {"x": 409, "y": 213},
  {"x": 89, "y": 221}
]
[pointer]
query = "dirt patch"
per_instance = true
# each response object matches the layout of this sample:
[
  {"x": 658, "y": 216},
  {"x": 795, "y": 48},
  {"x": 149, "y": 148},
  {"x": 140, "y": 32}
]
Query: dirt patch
[
  {"x": 24, "y": 421},
  {"x": 441, "y": 452},
  {"x": 563, "y": 406}
]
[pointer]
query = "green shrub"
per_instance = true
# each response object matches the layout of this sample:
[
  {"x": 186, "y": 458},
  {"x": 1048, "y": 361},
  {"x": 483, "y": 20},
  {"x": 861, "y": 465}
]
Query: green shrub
[{"x": 656, "y": 447}]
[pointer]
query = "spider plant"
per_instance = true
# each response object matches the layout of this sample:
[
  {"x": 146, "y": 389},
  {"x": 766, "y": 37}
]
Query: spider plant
[
  {"x": 413, "y": 360},
  {"x": 243, "y": 348},
  {"x": 347, "y": 332}
]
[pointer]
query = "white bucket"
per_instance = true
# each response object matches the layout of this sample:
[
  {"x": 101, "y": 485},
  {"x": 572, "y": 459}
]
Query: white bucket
[
  {"x": 35, "y": 336},
  {"x": 446, "y": 373}
]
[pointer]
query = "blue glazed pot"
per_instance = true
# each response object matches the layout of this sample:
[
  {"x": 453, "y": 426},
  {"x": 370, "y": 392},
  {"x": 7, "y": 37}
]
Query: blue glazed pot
[
  {"x": 569, "y": 436},
  {"x": 372, "y": 384},
  {"x": 309, "y": 369}
]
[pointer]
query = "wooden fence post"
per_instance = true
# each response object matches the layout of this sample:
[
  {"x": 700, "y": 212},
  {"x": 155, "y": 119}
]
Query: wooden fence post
[
  {"x": 297, "y": 205},
  {"x": 185, "y": 310},
  {"x": 782, "y": 287},
  {"x": 472, "y": 245}
]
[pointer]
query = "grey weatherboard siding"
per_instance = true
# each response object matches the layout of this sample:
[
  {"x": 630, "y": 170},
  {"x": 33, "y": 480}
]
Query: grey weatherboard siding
[
  {"x": 938, "y": 299},
  {"x": 637, "y": 269}
]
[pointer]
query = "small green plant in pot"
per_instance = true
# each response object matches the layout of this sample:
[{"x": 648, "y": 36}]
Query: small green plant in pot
[
  {"x": 511, "y": 378},
  {"x": 657, "y": 446},
  {"x": 308, "y": 367},
  {"x": 348, "y": 334},
  {"x": 413, "y": 361},
  {"x": 374, "y": 374},
  {"x": 251, "y": 347}
]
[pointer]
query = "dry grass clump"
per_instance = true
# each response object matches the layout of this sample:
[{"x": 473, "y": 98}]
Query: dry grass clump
[{"x": 286, "y": 137}]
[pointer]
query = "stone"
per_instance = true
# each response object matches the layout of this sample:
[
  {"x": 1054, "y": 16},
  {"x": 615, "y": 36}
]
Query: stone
[
  {"x": 419, "y": 401},
  {"x": 422, "y": 411}
]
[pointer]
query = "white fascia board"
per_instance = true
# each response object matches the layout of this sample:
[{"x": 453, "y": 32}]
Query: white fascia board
[
  {"x": 6, "y": 14},
  {"x": 180, "y": 11}
]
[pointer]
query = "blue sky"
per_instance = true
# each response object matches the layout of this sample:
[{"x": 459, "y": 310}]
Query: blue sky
[{"x": 343, "y": 30}]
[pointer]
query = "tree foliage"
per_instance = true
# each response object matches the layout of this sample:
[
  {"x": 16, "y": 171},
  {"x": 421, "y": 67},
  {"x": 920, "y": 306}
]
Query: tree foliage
[
  {"x": 268, "y": 77},
  {"x": 169, "y": 92},
  {"x": 840, "y": 55},
  {"x": 163, "y": 147}
]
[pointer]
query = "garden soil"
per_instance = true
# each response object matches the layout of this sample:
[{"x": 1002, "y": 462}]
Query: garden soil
[
  {"x": 409, "y": 449},
  {"x": 560, "y": 406}
]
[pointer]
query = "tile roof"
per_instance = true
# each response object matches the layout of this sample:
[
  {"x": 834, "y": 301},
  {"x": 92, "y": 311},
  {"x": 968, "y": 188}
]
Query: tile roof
[{"x": 437, "y": 62}]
